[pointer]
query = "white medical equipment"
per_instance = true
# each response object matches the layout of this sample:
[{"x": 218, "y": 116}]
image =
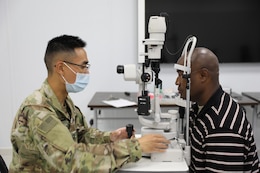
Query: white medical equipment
[{"x": 149, "y": 111}]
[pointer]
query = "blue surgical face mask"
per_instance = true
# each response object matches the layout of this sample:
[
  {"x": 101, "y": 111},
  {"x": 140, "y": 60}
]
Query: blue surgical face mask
[{"x": 82, "y": 80}]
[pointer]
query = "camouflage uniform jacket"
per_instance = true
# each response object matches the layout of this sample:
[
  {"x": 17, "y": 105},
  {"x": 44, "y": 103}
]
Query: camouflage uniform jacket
[{"x": 47, "y": 137}]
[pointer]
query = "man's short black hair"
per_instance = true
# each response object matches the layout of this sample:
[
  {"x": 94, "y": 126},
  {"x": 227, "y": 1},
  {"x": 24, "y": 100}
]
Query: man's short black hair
[{"x": 61, "y": 44}]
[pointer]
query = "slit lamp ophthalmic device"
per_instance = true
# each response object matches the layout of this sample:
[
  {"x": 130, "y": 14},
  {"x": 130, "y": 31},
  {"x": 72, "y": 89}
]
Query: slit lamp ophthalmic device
[{"x": 148, "y": 110}]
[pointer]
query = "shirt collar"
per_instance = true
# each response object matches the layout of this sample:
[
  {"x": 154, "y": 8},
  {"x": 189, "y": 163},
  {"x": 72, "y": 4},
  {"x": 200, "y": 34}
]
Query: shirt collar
[{"x": 212, "y": 101}]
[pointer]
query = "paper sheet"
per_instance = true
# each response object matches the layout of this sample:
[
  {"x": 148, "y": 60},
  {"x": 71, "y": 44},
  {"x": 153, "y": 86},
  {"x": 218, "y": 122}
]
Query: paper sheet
[{"x": 118, "y": 103}]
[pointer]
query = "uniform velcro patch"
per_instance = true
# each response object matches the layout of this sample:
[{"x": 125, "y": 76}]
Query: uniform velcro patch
[{"x": 47, "y": 124}]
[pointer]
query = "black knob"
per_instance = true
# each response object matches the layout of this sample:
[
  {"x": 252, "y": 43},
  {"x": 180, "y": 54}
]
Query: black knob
[
  {"x": 129, "y": 129},
  {"x": 120, "y": 69}
]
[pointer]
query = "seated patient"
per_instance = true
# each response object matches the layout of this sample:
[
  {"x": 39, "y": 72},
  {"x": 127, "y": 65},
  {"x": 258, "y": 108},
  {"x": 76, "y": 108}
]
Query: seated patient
[{"x": 221, "y": 137}]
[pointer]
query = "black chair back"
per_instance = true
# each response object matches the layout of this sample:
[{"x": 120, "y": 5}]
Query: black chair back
[{"x": 3, "y": 167}]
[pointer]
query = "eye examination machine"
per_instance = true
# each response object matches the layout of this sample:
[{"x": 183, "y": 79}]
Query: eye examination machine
[{"x": 149, "y": 112}]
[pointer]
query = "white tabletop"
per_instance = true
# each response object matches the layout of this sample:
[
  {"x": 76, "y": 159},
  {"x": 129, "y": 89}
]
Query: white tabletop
[{"x": 146, "y": 165}]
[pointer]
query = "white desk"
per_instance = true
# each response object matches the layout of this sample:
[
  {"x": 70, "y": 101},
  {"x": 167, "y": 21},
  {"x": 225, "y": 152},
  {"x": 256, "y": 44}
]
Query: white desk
[
  {"x": 245, "y": 100},
  {"x": 255, "y": 96},
  {"x": 145, "y": 165},
  {"x": 118, "y": 116}
]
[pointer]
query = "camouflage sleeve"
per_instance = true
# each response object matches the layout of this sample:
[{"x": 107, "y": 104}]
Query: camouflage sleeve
[
  {"x": 88, "y": 134},
  {"x": 101, "y": 157},
  {"x": 95, "y": 136},
  {"x": 62, "y": 154}
]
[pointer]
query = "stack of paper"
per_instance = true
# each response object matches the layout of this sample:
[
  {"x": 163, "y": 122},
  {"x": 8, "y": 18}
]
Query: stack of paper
[{"x": 118, "y": 103}]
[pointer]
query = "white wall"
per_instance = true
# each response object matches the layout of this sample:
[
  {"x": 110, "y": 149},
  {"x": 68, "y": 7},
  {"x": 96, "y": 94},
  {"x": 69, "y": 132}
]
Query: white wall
[{"x": 110, "y": 29}]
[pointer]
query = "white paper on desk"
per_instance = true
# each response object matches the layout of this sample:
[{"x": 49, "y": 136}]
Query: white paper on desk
[{"x": 118, "y": 103}]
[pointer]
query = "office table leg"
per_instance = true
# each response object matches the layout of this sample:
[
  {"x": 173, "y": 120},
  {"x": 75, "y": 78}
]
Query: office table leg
[
  {"x": 254, "y": 115},
  {"x": 95, "y": 118},
  {"x": 257, "y": 113}
]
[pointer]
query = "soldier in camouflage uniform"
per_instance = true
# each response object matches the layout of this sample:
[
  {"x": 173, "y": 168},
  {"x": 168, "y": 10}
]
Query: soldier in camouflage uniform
[{"x": 49, "y": 132}]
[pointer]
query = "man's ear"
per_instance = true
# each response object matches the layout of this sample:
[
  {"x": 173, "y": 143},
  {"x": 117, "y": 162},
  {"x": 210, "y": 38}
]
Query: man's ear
[
  {"x": 59, "y": 67},
  {"x": 204, "y": 74}
]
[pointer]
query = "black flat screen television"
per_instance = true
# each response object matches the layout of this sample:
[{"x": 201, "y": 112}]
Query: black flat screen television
[{"x": 230, "y": 28}]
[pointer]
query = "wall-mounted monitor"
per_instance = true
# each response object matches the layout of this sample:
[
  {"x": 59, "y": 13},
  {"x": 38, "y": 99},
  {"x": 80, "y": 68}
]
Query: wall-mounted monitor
[{"x": 230, "y": 28}]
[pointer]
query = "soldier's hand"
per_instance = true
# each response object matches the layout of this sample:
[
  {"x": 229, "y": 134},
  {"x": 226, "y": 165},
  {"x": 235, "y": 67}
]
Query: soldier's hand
[
  {"x": 119, "y": 134},
  {"x": 151, "y": 143}
]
